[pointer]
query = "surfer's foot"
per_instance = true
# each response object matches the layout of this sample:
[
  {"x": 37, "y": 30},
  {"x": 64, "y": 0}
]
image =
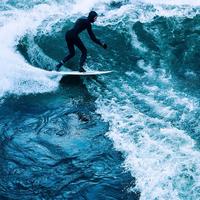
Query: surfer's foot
[
  {"x": 82, "y": 69},
  {"x": 59, "y": 65}
]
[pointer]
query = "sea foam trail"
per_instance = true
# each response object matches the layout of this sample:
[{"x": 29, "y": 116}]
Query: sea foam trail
[
  {"x": 171, "y": 2},
  {"x": 17, "y": 76},
  {"x": 163, "y": 158}
]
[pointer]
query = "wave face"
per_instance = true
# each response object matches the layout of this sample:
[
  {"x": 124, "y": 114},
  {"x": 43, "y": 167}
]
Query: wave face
[{"x": 151, "y": 100}]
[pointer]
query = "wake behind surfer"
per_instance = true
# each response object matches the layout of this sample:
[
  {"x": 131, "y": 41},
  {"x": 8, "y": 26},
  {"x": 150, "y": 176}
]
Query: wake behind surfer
[{"x": 72, "y": 38}]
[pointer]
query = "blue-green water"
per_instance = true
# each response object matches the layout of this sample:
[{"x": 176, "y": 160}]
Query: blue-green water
[{"x": 132, "y": 134}]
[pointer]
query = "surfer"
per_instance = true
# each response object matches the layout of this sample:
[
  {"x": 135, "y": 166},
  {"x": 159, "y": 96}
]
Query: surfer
[{"x": 72, "y": 38}]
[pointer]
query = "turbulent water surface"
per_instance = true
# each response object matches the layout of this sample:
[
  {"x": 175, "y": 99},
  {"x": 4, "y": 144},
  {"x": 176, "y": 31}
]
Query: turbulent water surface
[{"x": 132, "y": 134}]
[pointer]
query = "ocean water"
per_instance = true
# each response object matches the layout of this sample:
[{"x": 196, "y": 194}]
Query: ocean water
[{"x": 132, "y": 134}]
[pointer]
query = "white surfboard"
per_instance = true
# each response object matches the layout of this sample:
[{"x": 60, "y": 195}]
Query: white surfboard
[{"x": 77, "y": 73}]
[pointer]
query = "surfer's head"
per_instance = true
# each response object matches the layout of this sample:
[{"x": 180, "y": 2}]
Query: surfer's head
[{"x": 92, "y": 16}]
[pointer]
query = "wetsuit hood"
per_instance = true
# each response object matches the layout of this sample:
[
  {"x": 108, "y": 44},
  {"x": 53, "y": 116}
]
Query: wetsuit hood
[{"x": 92, "y": 15}]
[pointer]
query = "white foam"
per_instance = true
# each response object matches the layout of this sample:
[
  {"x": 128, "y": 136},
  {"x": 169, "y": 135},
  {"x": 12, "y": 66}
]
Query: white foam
[
  {"x": 17, "y": 76},
  {"x": 156, "y": 156},
  {"x": 145, "y": 11},
  {"x": 162, "y": 157},
  {"x": 172, "y": 2}
]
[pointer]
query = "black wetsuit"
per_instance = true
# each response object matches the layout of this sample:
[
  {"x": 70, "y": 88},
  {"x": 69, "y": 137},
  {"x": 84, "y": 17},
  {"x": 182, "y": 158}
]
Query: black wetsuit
[{"x": 72, "y": 38}]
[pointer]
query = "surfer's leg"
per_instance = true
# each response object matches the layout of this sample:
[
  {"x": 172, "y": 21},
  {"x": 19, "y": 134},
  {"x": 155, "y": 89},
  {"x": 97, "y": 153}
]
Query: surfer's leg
[
  {"x": 71, "y": 51},
  {"x": 81, "y": 46},
  {"x": 70, "y": 44}
]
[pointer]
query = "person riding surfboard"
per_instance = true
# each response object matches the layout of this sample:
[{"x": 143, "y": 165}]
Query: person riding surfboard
[{"x": 72, "y": 38}]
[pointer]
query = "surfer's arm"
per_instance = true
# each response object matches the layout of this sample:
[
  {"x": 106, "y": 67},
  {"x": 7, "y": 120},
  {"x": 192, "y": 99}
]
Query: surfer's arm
[{"x": 92, "y": 35}]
